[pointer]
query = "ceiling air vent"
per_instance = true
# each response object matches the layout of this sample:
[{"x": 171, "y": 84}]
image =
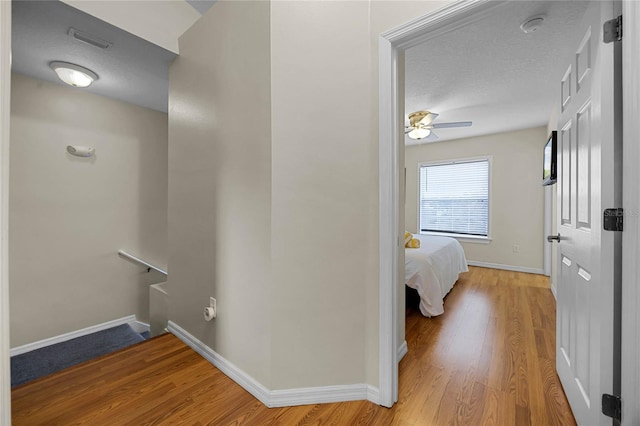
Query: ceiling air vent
[{"x": 89, "y": 39}]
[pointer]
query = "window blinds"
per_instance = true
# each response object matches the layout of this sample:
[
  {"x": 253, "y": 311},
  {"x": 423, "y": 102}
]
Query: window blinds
[{"x": 454, "y": 197}]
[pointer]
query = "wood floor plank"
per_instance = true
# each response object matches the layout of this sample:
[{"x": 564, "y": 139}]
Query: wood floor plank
[
  {"x": 554, "y": 395},
  {"x": 524, "y": 345},
  {"x": 499, "y": 408},
  {"x": 469, "y": 411},
  {"x": 488, "y": 360},
  {"x": 523, "y": 416}
]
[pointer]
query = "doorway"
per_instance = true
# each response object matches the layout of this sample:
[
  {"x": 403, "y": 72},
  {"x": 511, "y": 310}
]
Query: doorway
[{"x": 392, "y": 45}]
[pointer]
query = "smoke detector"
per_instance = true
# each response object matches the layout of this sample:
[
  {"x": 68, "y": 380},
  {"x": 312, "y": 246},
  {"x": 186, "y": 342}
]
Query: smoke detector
[{"x": 532, "y": 24}]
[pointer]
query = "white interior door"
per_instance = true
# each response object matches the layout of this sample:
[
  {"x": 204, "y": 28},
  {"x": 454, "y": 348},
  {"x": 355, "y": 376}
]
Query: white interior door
[{"x": 588, "y": 257}]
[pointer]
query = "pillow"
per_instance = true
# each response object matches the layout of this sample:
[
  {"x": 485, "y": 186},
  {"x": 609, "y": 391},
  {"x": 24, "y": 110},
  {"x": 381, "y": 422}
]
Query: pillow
[
  {"x": 413, "y": 243},
  {"x": 407, "y": 237}
]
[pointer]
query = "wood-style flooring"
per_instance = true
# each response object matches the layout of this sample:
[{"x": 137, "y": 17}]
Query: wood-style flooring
[{"x": 489, "y": 360}]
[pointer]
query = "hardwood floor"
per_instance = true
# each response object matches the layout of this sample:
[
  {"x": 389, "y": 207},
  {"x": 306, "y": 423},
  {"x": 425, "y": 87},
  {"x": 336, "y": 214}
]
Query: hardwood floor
[{"x": 489, "y": 360}]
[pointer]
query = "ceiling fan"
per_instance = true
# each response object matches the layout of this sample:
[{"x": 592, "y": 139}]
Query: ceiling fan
[{"x": 422, "y": 125}]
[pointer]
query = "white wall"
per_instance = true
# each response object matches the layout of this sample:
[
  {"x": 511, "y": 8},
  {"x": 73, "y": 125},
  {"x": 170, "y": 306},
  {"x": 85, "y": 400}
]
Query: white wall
[
  {"x": 516, "y": 193},
  {"x": 322, "y": 192},
  {"x": 220, "y": 184},
  {"x": 69, "y": 215}
]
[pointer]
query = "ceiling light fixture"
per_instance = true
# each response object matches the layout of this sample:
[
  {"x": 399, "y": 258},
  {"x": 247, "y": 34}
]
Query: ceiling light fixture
[
  {"x": 419, "y": 133},
  {"x": 72, "y": 74}
]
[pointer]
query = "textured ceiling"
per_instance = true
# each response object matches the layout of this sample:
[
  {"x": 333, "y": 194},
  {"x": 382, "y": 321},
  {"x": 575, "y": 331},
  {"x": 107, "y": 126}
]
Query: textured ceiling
[
  {"x": 492, "y": 73},
  {"x": 132, "y": 70}
]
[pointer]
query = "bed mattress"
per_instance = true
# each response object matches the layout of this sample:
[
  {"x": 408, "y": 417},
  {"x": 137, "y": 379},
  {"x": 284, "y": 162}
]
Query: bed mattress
[{"x": 433, "y": 269}]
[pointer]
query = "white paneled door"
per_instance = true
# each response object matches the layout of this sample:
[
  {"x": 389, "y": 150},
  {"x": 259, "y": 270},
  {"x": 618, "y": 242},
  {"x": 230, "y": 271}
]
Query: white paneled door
[{"x": 589, "y": 181}]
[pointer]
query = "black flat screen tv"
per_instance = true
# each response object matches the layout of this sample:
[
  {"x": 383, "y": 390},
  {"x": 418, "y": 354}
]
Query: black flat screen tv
[{"x": 550, "y": 160}]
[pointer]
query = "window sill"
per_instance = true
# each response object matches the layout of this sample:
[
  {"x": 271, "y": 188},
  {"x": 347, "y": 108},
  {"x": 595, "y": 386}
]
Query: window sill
[{"x": 461, "y": 237}]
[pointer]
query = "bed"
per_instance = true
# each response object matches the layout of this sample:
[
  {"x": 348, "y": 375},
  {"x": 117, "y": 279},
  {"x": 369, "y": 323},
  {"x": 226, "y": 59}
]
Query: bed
[{"x": 433, "y": 269}]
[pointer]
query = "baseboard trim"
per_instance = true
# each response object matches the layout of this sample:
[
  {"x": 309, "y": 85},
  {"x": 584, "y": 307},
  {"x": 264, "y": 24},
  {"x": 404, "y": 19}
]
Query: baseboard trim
[
  {"x": 321, "y": 394},
  {"x": 373, "y": 394},
  {"x": 402, "y": 351},
  {"x": 554, "y": 291},
  {"x": 71, "y": 335},
  {"x": 250, "y": 384},
  {"x": 276, "y": 398},
  {"x": 538, "y": 271}
]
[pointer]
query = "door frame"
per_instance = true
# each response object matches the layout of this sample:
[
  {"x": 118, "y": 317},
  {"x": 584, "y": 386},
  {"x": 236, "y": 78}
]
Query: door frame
[
  {"x": 391, "y": 138},
  {"x": 5, "y": 117},
  {"x": 630, "y": 332},
  {"x": 547, "y": 247},
  {"x": 392, "y": 44}
]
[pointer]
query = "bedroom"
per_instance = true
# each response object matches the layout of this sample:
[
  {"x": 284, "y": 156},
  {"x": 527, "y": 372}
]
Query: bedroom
[{"x": 490, "y": 125}]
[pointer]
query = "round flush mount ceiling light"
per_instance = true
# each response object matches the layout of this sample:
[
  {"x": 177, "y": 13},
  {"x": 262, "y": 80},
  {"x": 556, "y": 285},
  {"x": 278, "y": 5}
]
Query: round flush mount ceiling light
[
  {"x": 532, "y": 24},
  {"x": 72, "y": 74}
]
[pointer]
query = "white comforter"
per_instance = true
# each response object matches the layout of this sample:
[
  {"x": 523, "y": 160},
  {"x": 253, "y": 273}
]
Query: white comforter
[{"x": 433, "y": 269}]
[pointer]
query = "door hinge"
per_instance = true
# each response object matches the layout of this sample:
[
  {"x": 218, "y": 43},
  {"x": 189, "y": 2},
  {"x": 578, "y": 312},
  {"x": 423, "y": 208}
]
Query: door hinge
[
  {"x": 612, "y": 406},
  {"x": 612, "y": 30},
  {"x": 612, "y": 219}
]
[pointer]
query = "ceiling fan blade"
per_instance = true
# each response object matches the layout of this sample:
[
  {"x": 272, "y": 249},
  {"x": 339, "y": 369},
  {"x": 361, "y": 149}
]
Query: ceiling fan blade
[
  {"x": 431, "y": 138},
  {"x": 428, "y": 119},
  {"x": 452, "y": 124}
]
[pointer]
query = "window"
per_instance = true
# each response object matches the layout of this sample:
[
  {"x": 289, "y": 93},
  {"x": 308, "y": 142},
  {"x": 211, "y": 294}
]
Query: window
[{"x": 454, "y": 197}]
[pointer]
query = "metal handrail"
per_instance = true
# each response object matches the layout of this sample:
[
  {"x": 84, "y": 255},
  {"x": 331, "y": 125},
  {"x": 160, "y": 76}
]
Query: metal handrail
[{"x": 141, "y": 262}]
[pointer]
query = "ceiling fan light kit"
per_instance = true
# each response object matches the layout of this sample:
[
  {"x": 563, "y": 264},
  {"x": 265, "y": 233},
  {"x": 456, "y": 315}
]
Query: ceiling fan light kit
[{"x": 419, "y": 133}]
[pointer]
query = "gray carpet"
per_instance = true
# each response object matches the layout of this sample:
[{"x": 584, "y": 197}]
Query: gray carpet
[{"x": 44, "y": 361}]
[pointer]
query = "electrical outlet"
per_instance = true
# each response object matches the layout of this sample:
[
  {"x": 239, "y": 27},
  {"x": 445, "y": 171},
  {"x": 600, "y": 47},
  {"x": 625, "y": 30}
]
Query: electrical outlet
[
  {"x": 516, "y": 248},
  {"x": 212, "y": 305}
]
